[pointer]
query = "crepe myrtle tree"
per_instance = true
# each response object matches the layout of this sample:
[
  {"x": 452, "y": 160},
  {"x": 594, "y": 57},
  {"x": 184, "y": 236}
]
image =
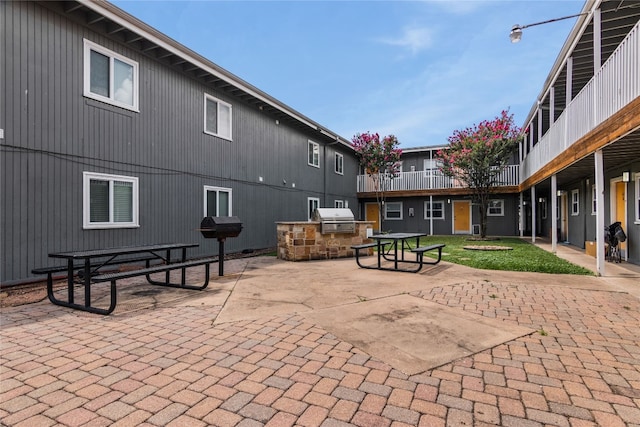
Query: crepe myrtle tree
[
  {"x": 381, "y": 161},
  {"x": 477, "y": 156}
]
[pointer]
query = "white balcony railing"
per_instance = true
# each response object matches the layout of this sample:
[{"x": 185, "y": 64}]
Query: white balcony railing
[
  {"x": 615, "y": 85},
  {"x": 429, "y": 180}
]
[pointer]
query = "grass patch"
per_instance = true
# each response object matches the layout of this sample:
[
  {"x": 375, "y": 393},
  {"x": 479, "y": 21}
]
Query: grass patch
[{"x": 524, "y": 256}]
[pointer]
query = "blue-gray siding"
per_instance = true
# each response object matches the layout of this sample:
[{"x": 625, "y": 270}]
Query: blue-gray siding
[{"x": 53, "y": 134}]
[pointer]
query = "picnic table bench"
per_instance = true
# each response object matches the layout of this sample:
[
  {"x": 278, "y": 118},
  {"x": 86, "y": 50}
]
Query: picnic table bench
[
  {"x": 397, "y": 243},
  {"x": 95, "y": 264}
]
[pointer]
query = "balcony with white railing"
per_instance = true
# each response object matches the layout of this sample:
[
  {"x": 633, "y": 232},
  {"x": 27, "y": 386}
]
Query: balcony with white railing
[
  {"x": 615, "y": 85},
  {"x": 429, "y": 180}
]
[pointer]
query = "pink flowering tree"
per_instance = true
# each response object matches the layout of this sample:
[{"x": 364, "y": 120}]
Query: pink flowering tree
[
  {"x": 380, "y": 159},
  {"x": 477, "y": 156}
]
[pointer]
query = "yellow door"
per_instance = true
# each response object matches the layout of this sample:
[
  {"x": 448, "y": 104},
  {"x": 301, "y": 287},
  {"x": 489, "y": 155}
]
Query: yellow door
[
  {"x": 621, "y": 210},
  {"x": 371, "y": 214},
  {"x": 461, "y": 217}
]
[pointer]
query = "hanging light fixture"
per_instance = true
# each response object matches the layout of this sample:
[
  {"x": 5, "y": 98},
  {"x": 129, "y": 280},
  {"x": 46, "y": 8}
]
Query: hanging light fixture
[{"x": 516, "y": 30}]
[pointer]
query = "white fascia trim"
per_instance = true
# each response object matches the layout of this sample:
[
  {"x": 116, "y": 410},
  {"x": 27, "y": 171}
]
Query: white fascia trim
[{"x": 99, "y": 7}]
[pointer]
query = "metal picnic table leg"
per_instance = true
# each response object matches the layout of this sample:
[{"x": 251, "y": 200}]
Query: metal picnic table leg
[
  {"x": 69, "y": 281},
  {"x": 87, "y": 282}
]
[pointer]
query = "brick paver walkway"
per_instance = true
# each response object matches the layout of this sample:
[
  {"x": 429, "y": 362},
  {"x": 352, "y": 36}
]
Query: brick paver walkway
[{"x": 172, "y": 366}]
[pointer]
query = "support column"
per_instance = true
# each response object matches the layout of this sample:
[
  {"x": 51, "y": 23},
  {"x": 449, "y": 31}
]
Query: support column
[
  {"x": 552, "y": 106},
  {"x": 599, "y": 171},
  {"x": 521, "y": 220},
  {"x": 553, "y": 213},
  {"x": 534, "y": 220}
]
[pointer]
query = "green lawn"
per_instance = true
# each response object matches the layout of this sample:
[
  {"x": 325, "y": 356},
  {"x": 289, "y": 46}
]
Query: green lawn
[{"x": 524, "y": 256}]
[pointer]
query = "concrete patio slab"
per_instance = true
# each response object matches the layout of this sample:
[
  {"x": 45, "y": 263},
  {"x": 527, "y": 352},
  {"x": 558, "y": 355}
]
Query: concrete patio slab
[{"x": 414, "y": 335}]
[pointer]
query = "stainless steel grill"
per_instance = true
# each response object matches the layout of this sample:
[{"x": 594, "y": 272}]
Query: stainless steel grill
[{"x": 335, "y": 220}]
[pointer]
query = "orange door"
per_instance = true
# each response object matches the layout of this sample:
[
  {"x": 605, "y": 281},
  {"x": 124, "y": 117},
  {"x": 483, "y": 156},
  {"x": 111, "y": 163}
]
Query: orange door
[
  {"x": 372, "y": 214},
  {"x": 621, "y": 211},
  {"x": 461, "y": 217}
]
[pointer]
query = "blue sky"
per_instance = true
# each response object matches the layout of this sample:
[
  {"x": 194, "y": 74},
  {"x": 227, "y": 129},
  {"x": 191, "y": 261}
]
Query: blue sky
[{"x": 415, "y": 69}]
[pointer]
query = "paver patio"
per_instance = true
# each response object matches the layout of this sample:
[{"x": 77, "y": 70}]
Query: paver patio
[{"x": 221, "y": 358}]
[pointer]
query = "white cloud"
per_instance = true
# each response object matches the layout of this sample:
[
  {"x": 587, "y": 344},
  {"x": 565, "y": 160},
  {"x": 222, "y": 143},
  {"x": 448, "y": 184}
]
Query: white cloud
[{"x": 412, "y": 39}]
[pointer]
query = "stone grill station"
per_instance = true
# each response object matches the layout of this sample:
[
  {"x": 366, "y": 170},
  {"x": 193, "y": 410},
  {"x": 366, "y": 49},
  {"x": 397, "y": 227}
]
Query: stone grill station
[{"x": 330, "y": 235}]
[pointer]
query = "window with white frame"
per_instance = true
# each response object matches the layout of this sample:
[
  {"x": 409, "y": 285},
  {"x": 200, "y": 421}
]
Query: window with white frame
[
  {"x": 637, "y": 220},
  {"x": 313, "y": 203},
  {"x": 594, "y": 198},
  {"x": 435, "y": 210},
  {"x": 495, "y": 208},
  {"x": 217, "y": 201},
  {"x": 339, "y": 164},
  {"x": 575, "y": 202},
  {"x": 338, "y": 204},
  {"x": 110, "y": 77},
  {"x": 313, "y": 152},
  {"x": 393, "y": 210},
  {"x": 217, "y": 117},
  {"x": 109, "y": 201},
  {"x": 430, "y": 167}
]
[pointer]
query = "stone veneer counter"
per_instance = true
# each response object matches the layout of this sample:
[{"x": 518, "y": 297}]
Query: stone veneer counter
[{"x": 303, "y": 241}]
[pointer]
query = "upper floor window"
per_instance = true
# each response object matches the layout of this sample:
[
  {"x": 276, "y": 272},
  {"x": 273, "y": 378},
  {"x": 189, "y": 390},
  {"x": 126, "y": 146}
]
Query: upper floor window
[
  {"x": 435, "y": 210},
  {"x": 109, "y": 201},
  {"x": 431, "y": 167},
  {"x": 339, "y": 167},
  {"x": 217, "y": 201},
  {"x": 110, "y": 77},
  {"x": 393, "y": 210},
  {"x": 217, "y": 117},
  {"x": 575, "y": 202},
  {"x": 637, "y": 219},
  {"x": 314, "y": 154},
  {"x": 496, "y": 208}
]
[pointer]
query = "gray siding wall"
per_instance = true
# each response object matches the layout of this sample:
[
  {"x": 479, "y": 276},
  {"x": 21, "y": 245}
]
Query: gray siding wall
[
  {"x": 506, "y": 225},
  {"x": 53, "y": 134}
]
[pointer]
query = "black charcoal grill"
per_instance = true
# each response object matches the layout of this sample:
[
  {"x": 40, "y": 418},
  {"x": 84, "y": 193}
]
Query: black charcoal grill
[
  {"x": 335, "y": 220},
  {"x": 220, "y": 227}
]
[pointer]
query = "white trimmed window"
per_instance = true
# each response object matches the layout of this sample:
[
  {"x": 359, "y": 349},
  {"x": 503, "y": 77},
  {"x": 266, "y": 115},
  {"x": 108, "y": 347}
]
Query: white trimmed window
[
  {"x": 110, "y": 77},
  {"x": 338, "y": 204},
  {"x": 594, "y": 198},
  {"x": 313, "y": 203},
  {"x": 109, "y": 201},
  {"x": 217, "y": 117},
  {"x": 435, "y": 211},
  {"x": 575, "y": 202},
  {"x": 393, "y": 210},
  {"x": 339, "y": 164},
  {"x": 217, "y": 201},
  {"x": 430, "y": 167},
  {"x": 313, "y": 154},
  {"x": 637, "y": 220},
  {"x": 495, "y": 208}
]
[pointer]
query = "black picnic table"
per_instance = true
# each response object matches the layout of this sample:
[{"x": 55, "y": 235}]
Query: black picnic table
[
  {"x": 87, "y": 267},
  {"x": 392, "y": 246}
]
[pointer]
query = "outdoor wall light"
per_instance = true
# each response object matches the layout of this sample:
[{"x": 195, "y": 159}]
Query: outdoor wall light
[
  {"x": 540, "y": 199},
  {"x": 559, "y": 193},
  {"x": 626, "y": 176},
  {"x": 516, "y": 30}
]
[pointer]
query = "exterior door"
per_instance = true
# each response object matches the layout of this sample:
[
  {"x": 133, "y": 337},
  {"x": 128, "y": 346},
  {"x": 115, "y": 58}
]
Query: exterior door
[
  {"x": 462, "y": 217},
  {"x": 620, "y": 213},
  {"x": 564, "y": 213},
  {"x": 372, "y": 214}
]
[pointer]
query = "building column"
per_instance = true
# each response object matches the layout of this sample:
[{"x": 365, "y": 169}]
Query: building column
[
  {"x": 599, "y": 171},
  {"x": 521, "y": 225},
  {"x": 552, "y": 106},
  {"x": 533, "y": 213},
  {"x": 553, "y": 213}
]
